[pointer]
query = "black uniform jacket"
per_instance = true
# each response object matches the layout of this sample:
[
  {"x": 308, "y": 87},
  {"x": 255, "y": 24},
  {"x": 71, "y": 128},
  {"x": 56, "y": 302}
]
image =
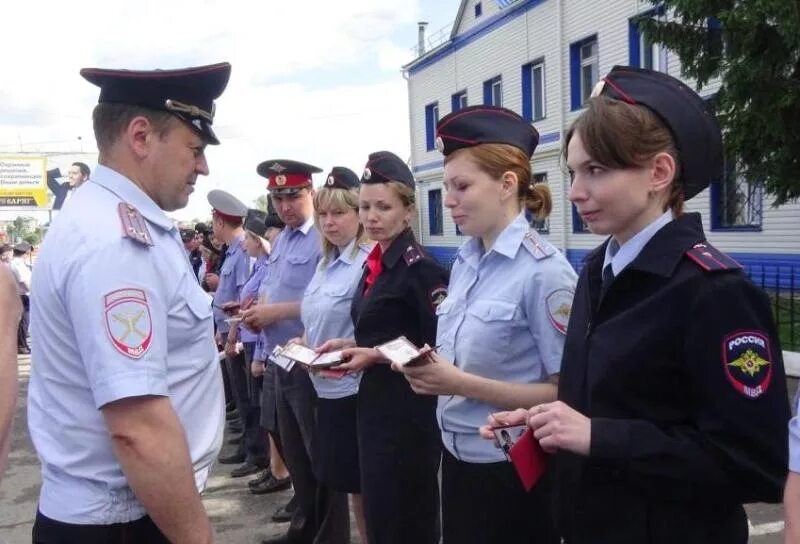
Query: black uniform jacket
[{"x": 678, "y": 366}]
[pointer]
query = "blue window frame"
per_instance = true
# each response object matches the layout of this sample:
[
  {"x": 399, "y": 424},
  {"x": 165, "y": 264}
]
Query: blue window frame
[
  {"x": 431, "y": 118},
  {"x": 493, "y": 91},
  {"x": 578, "y": 225},
  {"x": 641, "y": 51},
  {"x": 458, "y": 101},
  {"x": 533, "y": 91},
  {"x": 435, "y": 222},
  {"x": 584, "y": 69},
  {"x": 736, "y": 203}
]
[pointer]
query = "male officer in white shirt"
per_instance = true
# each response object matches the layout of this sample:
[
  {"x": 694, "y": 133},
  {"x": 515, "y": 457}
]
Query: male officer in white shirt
[{"x": 126, "y": 405}]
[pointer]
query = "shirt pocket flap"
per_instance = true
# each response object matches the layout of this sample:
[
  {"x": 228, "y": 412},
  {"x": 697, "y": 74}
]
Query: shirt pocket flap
[
  {"x": 297, "y": 260},
  {"x": 493, "y": 310},
  {"x": 199, "y": 303}
]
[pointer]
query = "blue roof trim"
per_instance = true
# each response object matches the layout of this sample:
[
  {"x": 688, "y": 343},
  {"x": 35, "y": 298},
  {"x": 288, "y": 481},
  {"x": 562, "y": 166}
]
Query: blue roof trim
[{"x": 473, "y": 34}]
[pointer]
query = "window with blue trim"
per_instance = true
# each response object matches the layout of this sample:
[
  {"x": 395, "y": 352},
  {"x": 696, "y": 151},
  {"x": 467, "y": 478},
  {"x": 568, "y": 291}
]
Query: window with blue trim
[
  {"x": 584, "y": 68},
  {"x": 431, "y": 118},
  {"x": 458, "y": 101},
  {"x": 736, "y": 203},
  {"x": 579, "y": 226},
  {"x": 478, "y": 9},
  {"x": 435, "y": 222},
  {"x": 493, "y": 91},
  {"x": 533, "y": 99},
  {"x": 641, "y": 51}
]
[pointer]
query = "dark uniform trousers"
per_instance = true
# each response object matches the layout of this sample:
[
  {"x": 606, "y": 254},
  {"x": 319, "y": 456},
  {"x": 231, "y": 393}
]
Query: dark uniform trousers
[
  {"x": 253, "y": 445},
  {"x": 322, "y": 516},
  {"x": 141, "y": 531},
  {"x": 681, "y": 436},
  {"x": 398, "y": 437},
  {"x": 22, "y": 328}
]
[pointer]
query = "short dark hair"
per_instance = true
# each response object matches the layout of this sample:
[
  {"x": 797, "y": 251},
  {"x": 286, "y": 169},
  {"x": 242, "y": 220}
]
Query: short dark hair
[
  {"x": 110, "y": 119},
  {"x": 83, "y": 168}
]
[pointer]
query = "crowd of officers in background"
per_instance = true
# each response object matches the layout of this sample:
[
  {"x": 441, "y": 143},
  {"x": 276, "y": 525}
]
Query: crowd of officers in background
[{"x": 647, "y": 396}]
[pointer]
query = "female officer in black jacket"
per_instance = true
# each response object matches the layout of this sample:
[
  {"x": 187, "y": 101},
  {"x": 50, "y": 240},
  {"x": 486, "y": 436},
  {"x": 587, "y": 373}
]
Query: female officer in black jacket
[
  {"x": 673, "y": 403},
  {"x": 398, "y": 437}
]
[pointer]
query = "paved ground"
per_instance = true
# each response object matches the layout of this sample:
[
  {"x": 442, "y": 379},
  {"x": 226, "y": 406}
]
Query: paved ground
[{"x": 239, "y": 517}]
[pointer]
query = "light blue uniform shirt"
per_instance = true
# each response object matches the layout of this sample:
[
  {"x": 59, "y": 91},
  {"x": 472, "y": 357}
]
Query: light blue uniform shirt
[
  {"x": 325, "y": 312},
  {"x": 290, "y": 267},
  {"x": 505, "y": 319},
  {"x": 794, "y": 437},
  {"x": 250, "y": 292},
  {"x": 621, "y": 256},
  {"x": 232, "y": 277},
  {"x": 113, "y": 318}
]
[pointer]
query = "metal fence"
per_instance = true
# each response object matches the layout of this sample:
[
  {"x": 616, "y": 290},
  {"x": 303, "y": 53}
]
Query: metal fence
[{"x": 782, "y": 284}]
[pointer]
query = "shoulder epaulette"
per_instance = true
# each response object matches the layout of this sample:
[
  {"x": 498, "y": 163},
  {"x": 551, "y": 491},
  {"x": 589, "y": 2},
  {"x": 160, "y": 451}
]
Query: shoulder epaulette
[
  {"x": 412, "y": 255},
  {"x": 711, "y": 259},
  {"x": 537, "y": 246},
  {"x": 134, "y": 225}
]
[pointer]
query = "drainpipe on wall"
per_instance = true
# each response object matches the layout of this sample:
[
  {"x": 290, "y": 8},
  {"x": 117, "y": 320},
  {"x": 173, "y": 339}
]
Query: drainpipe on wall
[{"x": 564, "y": 185}]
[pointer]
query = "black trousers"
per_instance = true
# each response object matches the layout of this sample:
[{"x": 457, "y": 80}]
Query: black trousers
[
  {"x": 253, "y": 445},
  {"x": 322, "y": 516},
  {"x": 486, "y": 503},
  {"x": 22, "y": 329},
  {"x": 50, "y": 531}
]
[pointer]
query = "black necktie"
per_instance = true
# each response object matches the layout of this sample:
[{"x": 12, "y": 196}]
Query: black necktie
[{"x": 608, "y": 279}]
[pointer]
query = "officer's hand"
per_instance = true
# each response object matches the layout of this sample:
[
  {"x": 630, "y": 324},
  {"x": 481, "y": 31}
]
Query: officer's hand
[
  {"x": 437, "y": 376},
  {"x": 212, "y": 280},
  {"x": 358, "y": 359},
  {"x": 335, "y": 343},
  {"x": 257, "y": 368},
  {"x": 230, "y": 349},
  {"x": 557, "y": 426},
  {"x": 503, "y": 419},
  {"x": 296, "y": 340},
  {"x": 258, "y": 316},
  {"x": 230, "y": 308}
]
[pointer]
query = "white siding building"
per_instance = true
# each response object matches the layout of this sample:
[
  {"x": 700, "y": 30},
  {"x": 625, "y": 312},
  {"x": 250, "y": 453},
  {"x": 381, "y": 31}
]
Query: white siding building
[{"x": 541, "y": 58}]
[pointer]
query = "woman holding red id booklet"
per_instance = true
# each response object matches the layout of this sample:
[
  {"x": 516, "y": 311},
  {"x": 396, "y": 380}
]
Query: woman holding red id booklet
[
  {"x": 672, "y": 403},
  {"x": 500, "y": 329}
]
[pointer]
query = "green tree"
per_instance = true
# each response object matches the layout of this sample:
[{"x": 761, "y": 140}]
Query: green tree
[
  {"x": 753, "y": 46},
  {"x": 262, "y": 203}
]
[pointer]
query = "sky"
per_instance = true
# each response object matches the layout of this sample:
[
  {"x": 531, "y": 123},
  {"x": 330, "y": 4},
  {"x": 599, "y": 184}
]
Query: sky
[{"x": 315, "y": 80}]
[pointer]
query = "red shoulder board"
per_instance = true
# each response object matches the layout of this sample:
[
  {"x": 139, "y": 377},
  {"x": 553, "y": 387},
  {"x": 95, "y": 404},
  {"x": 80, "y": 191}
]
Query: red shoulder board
[
  {"x": 711, "y": 259},
  {"x": 133, "y": 224},
  {"x": 412, "y": 255}
]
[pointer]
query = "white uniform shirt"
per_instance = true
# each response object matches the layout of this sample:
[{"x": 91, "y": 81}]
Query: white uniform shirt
[
  {"x": 22, "y": 274},
  {"x": 112, "y": 318}
]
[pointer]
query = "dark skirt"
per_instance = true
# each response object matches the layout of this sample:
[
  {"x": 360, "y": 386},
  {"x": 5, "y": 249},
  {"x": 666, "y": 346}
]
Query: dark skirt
[
  {"x": 487, "y": 503},
  {"x": 336, "y": 444},
  {"x": 399, "y": 452}
]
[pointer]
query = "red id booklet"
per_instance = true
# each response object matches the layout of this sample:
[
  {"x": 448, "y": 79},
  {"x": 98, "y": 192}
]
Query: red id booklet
[{"x": 524, "y": 452}]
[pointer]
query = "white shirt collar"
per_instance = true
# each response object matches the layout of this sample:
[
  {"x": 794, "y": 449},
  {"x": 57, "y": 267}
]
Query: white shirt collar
[
  {"x": 621, "y": 256},
  {"x": 305, "y": 227}
]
